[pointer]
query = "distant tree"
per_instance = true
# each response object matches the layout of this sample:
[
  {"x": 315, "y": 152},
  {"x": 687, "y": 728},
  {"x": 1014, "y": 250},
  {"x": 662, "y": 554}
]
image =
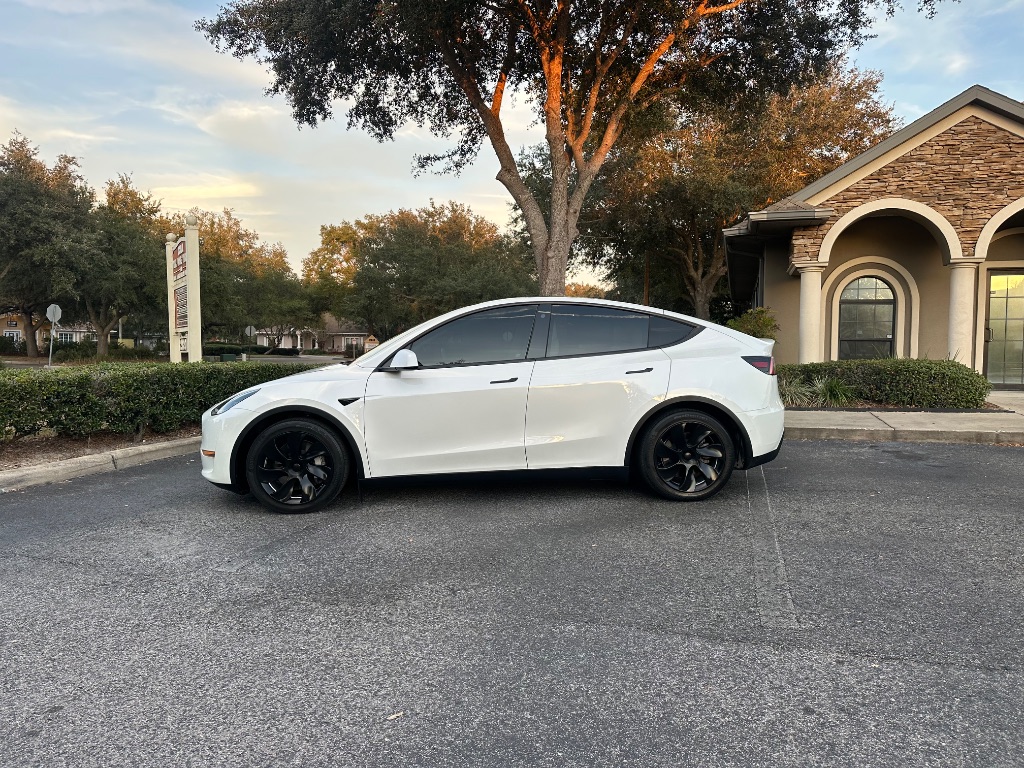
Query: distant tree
[
  {"x": 44, "y": 225},
  {"x": 584, "y": 290},
  {"x": 587, "y": 70},
  {"x": 329, "y": 271},
  {"x": 414, "y": 265},
  {"x": 125, "y": 271}
]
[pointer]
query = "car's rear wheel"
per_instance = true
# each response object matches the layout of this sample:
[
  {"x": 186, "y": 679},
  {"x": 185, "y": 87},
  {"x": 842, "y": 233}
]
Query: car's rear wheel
[
  {"x": 296, "y": 466},
  {"x": 686, "y": 455}
]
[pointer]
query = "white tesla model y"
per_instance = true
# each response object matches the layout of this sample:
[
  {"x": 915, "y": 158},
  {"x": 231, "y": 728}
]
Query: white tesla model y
[{"x": 515, "y": 384}]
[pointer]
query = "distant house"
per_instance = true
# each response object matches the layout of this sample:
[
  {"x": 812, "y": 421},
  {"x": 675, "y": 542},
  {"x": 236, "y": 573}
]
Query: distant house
[
  {"x": 14, "y": 328},
  {"x": 913, "y": 249},
  {"x": 336, "y": 336}
]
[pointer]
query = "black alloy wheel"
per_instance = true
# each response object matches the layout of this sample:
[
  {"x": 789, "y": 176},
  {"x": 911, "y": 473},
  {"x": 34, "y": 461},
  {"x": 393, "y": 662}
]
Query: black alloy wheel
[
  {"x": 686, "y": 456},
  {"x": 296, "y": 466}
]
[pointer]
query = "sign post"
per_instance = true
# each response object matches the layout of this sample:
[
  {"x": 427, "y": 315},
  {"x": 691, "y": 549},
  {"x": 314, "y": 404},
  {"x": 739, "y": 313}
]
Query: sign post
[
  {"x": 183, "y": 312},
  {"x": 53, "y": 313}
]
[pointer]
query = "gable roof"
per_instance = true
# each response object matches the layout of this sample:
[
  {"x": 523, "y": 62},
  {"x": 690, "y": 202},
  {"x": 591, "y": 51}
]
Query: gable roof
[{"x": 975, "y": 95}]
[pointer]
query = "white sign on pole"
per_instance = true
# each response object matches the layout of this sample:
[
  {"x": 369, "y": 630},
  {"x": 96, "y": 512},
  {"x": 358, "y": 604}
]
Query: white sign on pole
[
  {"x": 183, "y": 314},
  {"x": 53, "y": 314},
  {"x": 250, "y": 330}
]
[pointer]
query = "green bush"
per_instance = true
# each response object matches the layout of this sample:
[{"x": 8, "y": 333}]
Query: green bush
[
  {"x": 9, "y": 346},
  {"x": 223, "y": 348},
  {"x": 72, "y": 351},
  {"x": 122, "y": 397},
  {"x": 905, "y": 383},
  {"x": 758, "y": 322}
]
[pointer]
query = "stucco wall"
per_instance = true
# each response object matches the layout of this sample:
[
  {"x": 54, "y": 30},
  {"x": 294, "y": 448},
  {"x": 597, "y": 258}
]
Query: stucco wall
[
  {"x": 968, "y": 173},
  {"x": 1009, "y": 248},
  {"x": 782, "y": 295}
]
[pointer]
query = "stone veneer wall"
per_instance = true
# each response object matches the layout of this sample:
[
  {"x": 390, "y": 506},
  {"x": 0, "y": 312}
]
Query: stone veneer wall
[{"x": 967, "y": 173}]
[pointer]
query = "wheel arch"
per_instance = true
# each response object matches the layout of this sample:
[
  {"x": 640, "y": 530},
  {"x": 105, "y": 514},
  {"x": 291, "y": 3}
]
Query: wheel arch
[
  {"x": 738, "y": 433},
  {"x": 245, "y": 439}
]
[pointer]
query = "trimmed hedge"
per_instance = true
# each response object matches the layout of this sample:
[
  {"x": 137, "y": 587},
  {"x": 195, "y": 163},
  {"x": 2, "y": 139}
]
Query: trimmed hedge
[
  {"x": 908, "y": 383},
  {"x": 225, "y": 348},
  {"x": 122, "y": 397}
]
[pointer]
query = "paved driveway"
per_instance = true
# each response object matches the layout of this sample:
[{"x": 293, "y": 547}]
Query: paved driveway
[{"x": 852, "y": 604}]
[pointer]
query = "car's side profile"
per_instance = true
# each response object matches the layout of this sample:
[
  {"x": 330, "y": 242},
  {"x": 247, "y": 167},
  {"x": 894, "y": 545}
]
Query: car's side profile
[{"x": 515, "y": 384}]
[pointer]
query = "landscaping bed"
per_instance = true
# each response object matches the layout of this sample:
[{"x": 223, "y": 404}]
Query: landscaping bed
[
  {"x": 41, "y": 449},
  {"x": 899, "y": 384}
]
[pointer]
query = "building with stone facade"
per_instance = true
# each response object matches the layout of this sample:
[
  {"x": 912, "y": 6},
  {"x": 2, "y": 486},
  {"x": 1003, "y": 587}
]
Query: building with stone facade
[{"x": 913, "y": 249}]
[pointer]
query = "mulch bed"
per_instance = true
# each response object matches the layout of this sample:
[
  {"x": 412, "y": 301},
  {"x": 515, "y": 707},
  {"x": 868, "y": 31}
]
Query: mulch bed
[{"x": 41, "y": 449}]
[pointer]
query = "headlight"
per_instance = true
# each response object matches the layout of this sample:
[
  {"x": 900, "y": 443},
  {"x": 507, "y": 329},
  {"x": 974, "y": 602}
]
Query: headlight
[{"x": 230, "y": 403}]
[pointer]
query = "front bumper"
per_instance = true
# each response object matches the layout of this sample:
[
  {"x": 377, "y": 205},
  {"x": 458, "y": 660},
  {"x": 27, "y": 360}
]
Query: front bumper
[{"x": 220, "y": 434}]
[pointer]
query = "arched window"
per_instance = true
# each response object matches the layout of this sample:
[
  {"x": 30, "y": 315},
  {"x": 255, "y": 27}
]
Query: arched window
[{"x": 867, "y": 319}]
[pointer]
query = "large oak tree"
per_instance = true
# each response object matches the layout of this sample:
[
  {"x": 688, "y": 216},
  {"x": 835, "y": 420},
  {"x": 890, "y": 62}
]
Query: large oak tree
[{"x": 588, "y": 68}]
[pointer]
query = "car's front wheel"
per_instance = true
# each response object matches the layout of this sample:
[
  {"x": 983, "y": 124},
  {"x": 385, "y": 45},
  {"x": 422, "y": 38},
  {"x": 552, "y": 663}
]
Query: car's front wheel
[
  {"x": 296, "y": 466},
  {"x": 686, "y": 456}
]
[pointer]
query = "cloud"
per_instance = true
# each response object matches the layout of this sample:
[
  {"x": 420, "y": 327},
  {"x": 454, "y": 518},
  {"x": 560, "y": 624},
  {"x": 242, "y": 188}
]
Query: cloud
[
  {"x": 957, "y": 63},
  {"x": 188, "y": 190},
  {"x": 85, "y": 6}
]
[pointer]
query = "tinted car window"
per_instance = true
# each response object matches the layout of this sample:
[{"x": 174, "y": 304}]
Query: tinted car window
[
  {"x": 492, "y": 336},
  {"x": 585, "y": 330},
  {"x": 665, "y": 332}
]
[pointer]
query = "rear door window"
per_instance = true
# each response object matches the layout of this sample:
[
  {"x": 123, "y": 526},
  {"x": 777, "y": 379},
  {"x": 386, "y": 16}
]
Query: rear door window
[{"x": 580, "y": 329}]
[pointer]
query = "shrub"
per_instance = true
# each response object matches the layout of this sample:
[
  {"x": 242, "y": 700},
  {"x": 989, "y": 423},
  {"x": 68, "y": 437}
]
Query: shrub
[
  {"x": 9, "y": 346},
  {"x": 758, "y": 322},
  {"x": 70, "y": 351},
  {"x": 907, "y": 383},
  {"x": 118, "y": 352},
  {"x": 122, "y": 397}
]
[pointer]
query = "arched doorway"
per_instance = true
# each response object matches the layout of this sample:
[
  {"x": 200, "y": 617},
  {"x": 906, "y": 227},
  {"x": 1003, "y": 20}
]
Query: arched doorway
[{"x": 867, "y": 319}]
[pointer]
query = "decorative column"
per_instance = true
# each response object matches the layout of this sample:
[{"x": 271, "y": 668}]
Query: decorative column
[
  {"x": 195, "y": 323},
  {"x": 810, "y": 312},
  {"x": 962, "y": 289}
]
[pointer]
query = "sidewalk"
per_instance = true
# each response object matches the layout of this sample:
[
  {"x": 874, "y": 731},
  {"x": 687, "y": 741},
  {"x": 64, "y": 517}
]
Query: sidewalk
[{"x": 909, "y": 426}]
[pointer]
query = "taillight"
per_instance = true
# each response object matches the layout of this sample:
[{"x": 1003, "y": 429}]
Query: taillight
[{"x": 763, "y": 364}]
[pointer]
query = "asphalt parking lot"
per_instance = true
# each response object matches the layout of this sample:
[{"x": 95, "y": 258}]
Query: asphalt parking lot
[{"x": 851, "y": 604}]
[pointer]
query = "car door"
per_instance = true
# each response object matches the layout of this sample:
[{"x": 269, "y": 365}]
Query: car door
[
  {"x": 464, "y": 408},
  {"x": 603, "y": 369}
]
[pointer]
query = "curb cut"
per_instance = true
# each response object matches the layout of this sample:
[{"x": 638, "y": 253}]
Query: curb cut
[
  {"x": 95, "y": 463},
  {"x": 986, "y": 437}
]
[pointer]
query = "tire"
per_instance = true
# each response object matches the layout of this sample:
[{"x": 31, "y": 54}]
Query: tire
[
  {"x": 686, "y": 456},
  {"x": 283, "y": 484}
]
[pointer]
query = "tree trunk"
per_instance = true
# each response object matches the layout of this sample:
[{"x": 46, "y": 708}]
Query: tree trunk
[{"x": 31, "y": 348}]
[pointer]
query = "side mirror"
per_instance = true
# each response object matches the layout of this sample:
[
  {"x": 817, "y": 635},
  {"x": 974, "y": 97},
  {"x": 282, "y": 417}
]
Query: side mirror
[{"x": 403, "y": 360}]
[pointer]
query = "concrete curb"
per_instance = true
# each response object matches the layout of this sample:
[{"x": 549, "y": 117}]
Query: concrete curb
[
  {"x": 988, "y": 437},
  {"x": 94, "y": 463}
]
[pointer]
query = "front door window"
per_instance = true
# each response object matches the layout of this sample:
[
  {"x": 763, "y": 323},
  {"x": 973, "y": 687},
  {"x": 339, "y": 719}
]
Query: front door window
[
  {"x": 1006, "y": 328},
  {"x": 867, "y": 320}
]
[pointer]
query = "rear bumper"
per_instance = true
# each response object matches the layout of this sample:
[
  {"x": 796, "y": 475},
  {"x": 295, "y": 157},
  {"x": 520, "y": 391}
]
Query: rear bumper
[{"x": 764, "y": 458}]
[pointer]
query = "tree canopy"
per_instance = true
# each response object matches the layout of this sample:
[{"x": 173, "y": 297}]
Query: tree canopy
[
  {"x": 44, "y": 225},
  {"x": 414, "y": 265},
  {"x": 589, "y": 70}
]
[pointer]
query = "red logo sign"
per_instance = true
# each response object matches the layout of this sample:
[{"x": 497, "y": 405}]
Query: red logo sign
[{"x": 179, "y": 264}]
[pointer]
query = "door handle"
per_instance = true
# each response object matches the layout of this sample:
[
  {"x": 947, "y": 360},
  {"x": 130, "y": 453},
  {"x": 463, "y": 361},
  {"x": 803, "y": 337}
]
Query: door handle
[
  {"x": 506, "y": 381},
  {"x": 645, "y": 370},
  {"x": 990, "y": 335}
]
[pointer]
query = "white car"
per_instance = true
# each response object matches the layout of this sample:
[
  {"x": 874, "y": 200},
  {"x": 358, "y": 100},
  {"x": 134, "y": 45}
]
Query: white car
[{"x": 514, "y": 384}]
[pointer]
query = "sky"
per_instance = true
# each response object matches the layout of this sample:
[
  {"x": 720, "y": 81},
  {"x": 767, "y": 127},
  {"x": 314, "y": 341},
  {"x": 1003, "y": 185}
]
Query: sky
[{"x": 128, "y": 86}]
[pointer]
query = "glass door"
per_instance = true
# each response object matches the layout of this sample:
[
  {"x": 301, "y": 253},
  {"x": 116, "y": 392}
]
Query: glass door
[{"x": 1004, "y": 335}]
